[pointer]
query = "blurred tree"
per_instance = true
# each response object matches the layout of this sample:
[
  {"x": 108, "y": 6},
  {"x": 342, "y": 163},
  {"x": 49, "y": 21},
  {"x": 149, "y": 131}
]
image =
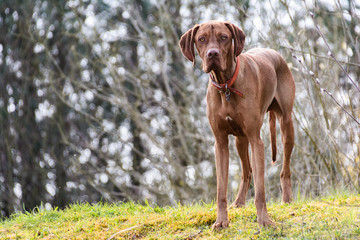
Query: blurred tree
[{"x": 21, "y": 144}]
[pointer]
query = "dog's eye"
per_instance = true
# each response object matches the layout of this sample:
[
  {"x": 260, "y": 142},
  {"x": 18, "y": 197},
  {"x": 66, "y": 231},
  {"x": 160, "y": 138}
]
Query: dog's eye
[
  {"x": 202, "y": 39},
  {"x": 224, "y": 37}
]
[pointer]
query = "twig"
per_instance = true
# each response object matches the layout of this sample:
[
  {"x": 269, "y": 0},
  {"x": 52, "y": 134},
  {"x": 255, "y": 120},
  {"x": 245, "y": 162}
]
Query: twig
[
  {"x": 136, "y": 226},
  {"x": 124, "y": 230},
  {"x": 317, "y": 81},
  {"x": 319, "y": 56},
  {"x": 331, "y": 53}
]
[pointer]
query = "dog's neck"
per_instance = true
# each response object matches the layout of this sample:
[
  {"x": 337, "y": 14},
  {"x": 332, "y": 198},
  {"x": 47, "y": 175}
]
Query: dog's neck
[{"x": 221, "y": 77}]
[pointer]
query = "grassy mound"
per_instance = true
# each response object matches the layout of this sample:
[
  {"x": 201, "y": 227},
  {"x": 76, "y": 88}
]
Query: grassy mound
[{"x": 335, "y": 217}]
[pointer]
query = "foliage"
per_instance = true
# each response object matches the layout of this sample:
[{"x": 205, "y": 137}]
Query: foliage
[{"x": 330, "y": 217}]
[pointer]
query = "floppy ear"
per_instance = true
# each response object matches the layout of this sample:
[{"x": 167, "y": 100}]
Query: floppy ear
[
  {"x": 187, "y": 43},
  {"x": 239, "y": 38}
]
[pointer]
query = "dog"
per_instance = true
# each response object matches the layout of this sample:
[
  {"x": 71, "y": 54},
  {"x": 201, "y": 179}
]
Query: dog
[{"x": 242, "y": 88}]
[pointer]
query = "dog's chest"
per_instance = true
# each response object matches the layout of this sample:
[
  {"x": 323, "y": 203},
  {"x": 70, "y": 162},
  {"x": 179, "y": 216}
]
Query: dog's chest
[
  {"x": 230, "y": 121},
  {"x": 225, "y": 116}
]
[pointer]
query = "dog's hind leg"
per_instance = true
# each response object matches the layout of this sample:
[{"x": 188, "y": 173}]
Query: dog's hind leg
[
  {"x": 242, "y": 147},
  {"x": 287, "y": 136},
  {"x": 285, "y": 99}
]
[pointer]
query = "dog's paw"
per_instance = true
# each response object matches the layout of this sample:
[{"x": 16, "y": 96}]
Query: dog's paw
[
  {"x": 220, "y": 224},
  {"x": 236, "y": 205},
  {"x": 266, "y": 222}
]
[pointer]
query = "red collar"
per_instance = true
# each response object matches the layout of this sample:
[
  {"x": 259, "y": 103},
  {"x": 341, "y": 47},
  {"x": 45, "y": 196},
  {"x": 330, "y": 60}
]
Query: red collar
[{"x": 226, "y": 87}]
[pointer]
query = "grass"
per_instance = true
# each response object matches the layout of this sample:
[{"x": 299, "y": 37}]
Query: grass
[{"x": 335, "y": 217}]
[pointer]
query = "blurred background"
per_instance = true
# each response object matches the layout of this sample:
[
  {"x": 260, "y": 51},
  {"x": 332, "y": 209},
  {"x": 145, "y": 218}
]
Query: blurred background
[{"x": 97, "y": 102}]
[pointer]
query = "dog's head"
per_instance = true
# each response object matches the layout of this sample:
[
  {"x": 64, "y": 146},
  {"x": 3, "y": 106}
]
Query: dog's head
[{"x": 213, "y": 41}]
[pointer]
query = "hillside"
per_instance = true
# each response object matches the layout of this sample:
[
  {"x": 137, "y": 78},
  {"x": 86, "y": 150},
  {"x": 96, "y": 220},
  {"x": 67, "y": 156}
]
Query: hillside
[{"x": 336, "y": 217}]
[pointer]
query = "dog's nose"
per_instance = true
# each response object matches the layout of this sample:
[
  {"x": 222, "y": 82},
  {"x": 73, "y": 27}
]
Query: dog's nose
[{"x": 212, "y": 52}]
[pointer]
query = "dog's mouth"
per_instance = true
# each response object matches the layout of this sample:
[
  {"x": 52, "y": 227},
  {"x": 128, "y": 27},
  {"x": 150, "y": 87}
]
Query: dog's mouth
[{"x": 212, "y": 65}]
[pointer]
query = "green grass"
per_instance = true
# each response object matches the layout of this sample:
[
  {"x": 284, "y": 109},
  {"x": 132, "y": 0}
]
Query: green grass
[{"x": 335, "y": 217}]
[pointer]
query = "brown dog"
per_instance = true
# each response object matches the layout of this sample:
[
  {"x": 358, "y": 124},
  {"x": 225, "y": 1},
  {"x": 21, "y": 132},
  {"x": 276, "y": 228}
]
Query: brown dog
[{"x": 242, "y": 88}]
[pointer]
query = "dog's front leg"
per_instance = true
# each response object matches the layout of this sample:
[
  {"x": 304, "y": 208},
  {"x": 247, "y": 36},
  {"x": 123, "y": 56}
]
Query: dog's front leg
[{"x": 222, "y": 169}]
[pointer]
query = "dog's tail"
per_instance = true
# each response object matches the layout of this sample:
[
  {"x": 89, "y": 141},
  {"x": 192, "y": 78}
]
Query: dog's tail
[{"x": 272, "y": 123}]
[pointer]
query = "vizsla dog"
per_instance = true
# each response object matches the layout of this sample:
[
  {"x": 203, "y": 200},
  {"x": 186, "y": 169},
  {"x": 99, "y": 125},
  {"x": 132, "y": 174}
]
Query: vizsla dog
[{"x": 242, "y": 88}]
